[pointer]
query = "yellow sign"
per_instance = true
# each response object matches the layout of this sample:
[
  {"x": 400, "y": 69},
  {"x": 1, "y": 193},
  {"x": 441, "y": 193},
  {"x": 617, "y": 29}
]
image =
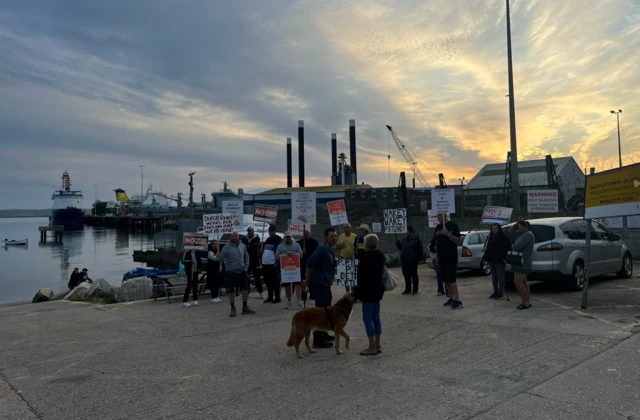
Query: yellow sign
[{"x": 613, "y": 193}]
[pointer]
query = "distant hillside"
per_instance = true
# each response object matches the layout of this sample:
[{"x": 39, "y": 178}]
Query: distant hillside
[{"x": 24, "y": 213}]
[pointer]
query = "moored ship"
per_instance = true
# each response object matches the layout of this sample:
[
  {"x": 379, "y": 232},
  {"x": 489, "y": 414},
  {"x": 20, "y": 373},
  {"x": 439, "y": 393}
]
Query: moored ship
[{"x": 67, "y": 208}]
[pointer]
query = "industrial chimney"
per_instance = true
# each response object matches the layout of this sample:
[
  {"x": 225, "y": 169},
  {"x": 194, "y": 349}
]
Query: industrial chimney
[
  {"x": 352, "y": 149},
  {"x": 301, "y": 153},
  {"x": 289, "y": 164},
  {"x": 334, "y": 159}
]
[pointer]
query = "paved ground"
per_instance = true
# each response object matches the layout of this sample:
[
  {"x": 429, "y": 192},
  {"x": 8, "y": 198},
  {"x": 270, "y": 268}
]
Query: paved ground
[{"x": 151, "y": 360}]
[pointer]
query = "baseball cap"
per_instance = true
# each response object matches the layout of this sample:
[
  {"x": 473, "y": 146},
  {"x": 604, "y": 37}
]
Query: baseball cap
[{"x": 287, "y": 233}]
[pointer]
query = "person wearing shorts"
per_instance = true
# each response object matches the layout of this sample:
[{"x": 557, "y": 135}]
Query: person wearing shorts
[
  {"x": 447, "y": 241},
  {"x": 235, "y": 258}
]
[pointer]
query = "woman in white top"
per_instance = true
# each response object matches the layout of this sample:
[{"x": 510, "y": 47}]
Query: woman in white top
[{"x": 214, "y": 276}]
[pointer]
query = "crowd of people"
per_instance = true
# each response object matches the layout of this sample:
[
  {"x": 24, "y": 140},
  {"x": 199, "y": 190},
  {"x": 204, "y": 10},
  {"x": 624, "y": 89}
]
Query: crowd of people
[{"x": 230, "y": 267}]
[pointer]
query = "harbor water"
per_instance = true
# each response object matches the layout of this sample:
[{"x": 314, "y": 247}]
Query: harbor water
[{"x": 107, "y": 253}]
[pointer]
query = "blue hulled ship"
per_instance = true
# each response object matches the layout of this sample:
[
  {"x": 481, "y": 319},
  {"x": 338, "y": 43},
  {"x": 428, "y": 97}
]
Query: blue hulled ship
[{"x": 67, "y": 206}]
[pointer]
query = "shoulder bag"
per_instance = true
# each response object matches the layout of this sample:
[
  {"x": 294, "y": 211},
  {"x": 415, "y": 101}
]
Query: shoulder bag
[
  {"x": 514, "y": 258},
  {"x": 387, "y": 280}
]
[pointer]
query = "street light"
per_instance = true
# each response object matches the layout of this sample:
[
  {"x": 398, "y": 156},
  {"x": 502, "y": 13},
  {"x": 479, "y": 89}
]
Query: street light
[
  {"x": 141, "y": 182},
  {"x": 618, "y": 112}
]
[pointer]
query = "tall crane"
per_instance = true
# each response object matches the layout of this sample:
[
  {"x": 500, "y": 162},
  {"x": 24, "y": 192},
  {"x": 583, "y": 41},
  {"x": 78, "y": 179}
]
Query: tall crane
[{"x": 409, "y": 157}]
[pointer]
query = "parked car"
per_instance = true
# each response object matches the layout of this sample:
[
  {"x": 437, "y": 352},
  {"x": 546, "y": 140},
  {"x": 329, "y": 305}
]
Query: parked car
[
  {"x": 559, "y": 251},
  {"x": 470, "y": 256}
]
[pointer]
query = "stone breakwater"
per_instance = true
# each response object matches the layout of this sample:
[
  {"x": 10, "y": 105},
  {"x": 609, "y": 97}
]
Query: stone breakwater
[{"x": 101, "y": 291}]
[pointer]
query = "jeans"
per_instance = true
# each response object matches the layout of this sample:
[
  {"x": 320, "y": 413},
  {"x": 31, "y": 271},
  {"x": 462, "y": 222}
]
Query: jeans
[
  {"x": 192, "y": 282},
  {"x": 410, "y": 273},
  {"x": 371, "y": 318},
  {"x": 255, "y": 271},
  {"x": 215, "y": 278},
  {"x": 497, "y": 277},
  {"x": 270, "y": 273}
]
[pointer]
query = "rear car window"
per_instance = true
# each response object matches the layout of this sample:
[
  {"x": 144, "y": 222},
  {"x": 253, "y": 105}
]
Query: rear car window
[{"x": 543, "y": 233}]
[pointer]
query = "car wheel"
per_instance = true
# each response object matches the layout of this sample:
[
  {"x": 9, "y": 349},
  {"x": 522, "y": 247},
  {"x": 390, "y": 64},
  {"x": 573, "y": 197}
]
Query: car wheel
[
  {"x": 626, "y": 272},
  {"x": 576, "y": 280},
  {"x": 485, "y": 268}
]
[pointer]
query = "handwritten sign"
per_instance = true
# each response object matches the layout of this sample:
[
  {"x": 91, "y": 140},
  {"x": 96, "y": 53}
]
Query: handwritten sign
[
  {"x": 395, "y": 221},
  {"x": 217, "y": 223},
  {"x": 542, "y": 201},
  {"x": 443, "y": 201},
  {"x": 337, "y": 212},
  {"x": 499, "y": 215},
  {"x": 303, "y": 207},
  {"x": 234, "y": 208},
  {"x": 195, "y": 242},
  {"x": 290, "y": 268},
  {"x": 347, "y": 274},
  {"x": 264, "y": 213}
]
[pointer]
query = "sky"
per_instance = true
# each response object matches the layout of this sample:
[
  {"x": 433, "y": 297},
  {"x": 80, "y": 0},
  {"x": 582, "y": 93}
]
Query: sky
[{"x": 216, "y": 87}]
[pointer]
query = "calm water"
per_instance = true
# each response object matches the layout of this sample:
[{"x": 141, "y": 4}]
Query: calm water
[{"x": 107, "y": 253}]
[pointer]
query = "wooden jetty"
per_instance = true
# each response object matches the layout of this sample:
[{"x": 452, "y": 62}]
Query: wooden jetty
[
  {"x": 131, "y": 223},
  {"x": 57, "y": 232}
]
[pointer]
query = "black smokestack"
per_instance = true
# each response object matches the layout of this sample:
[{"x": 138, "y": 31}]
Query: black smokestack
[
  {"x": 334, "y": 159},
  {"x": 301, "y": 153},
  {"x": 352, "y": 149},
  {"x": 289, "y": 164}
]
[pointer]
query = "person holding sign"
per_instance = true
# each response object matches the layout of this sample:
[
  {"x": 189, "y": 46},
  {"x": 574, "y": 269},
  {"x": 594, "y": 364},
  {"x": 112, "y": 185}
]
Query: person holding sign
[
  {"x": 447, "y": 242},
  {"x": 347, "y": 246},
  {"x": 252, "y": 242},
  {"x": 309, "y": 246},
  {"x": 235, "y": 258},
  {"x": 495, "y": 253},
  {"x": 289, "y": 247},
  {"x": 269, "y": 269},
  {"x": 191, "y": 268}
]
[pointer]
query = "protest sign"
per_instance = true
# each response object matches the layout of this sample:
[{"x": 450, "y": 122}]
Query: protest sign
[
  {"x": 376, "y": 227},
  {"x": 395, "y": 221},
  {"x": 297, "y": 229},
  {"x": 499, "y": 215},
  {"x": 234, "y": 208},
  {"x": 443, "y": 201},
  {"x": 218, "y": 224},
  {"x": 290, "y": 268},
  {"x": 264, "y": 213},
  {"x": 196, "y": 242},
  {"x": 337, "y": 212},
  {"x": 347, "y": 274},
  {"x": 542, "y": 201},
  {"x": 303, "y": 207}
]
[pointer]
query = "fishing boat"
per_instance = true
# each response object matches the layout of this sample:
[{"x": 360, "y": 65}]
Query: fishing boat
[{"x": 7, "y": 242}]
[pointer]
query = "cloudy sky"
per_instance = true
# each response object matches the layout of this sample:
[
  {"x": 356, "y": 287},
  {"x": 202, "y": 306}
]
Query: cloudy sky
[{"x": 214, "y": 86}]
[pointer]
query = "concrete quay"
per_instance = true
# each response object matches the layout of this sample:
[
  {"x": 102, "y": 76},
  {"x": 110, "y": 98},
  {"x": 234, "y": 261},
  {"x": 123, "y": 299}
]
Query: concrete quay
[{"x": 152, "y": 360}]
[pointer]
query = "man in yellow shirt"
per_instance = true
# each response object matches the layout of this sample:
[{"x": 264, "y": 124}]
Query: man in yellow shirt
[{"x": 346, "y": 245}]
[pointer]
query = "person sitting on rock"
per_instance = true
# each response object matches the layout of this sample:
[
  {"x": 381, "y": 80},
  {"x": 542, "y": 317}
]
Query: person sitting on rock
[
  {"x": 75, "y": 279},
  {"x": 85, "y": 276}
]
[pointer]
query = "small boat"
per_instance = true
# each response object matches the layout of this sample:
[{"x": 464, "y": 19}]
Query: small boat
[{"x": 22, "y": 242}]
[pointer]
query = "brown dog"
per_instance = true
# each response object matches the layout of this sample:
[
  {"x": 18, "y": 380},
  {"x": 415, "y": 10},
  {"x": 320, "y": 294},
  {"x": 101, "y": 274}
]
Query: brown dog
[{"x": 335, "y": 318}]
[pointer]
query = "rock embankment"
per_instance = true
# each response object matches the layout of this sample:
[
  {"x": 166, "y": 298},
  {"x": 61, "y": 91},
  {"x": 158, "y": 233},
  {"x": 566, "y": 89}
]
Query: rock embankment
[{"x": 101, "y": 291}]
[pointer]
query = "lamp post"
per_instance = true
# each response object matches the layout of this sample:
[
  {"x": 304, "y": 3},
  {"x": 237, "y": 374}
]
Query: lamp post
[
  {"x": 462, "y": 181},
  {"x": 618, "y": 112},
  {"x": 141, "y": 182}
]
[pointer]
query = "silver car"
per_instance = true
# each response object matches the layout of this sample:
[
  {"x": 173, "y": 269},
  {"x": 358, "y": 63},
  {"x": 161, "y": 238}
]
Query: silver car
[
  {"x": 559, "y": 250},
  {"x": 470, "y": 256}
]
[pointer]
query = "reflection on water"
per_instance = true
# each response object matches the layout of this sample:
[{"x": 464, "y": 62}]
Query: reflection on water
[{"x": 107, "y": 254}]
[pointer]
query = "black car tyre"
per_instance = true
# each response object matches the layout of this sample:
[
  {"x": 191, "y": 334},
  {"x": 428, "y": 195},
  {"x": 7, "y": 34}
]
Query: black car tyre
[
  {"x": 576, "y": 280},
  {"x": 626, "y": 272}
]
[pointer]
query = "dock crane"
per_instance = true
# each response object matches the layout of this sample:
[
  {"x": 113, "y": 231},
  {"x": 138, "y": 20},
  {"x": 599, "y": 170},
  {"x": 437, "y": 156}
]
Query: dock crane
[{"x": 409, "y": 158}]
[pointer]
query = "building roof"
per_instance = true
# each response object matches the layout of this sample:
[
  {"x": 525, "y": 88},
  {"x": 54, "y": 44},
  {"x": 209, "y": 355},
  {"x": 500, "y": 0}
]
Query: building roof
[
  {"x": 531, "y": 173},
  {"x": 320, "y": 189}
]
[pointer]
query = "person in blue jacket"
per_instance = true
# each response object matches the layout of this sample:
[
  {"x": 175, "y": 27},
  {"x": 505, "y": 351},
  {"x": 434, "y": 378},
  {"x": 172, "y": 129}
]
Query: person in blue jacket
[{"x": 321, "y": 268}]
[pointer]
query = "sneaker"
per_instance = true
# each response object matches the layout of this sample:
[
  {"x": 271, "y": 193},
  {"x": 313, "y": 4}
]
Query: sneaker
[
  {"x": 247, "y": 311},
  {"x": 195, "y": 303},
  {"x": 186, "y": 305},
  {"x": 406, "y": 292},
  {"x": 300, "y": 305},
  {"x": 440, "y": 293},
  {"x": 288, "y": 305},
  {"x": 277, "y": 301},
  {"x": 216, "y": 300},
  {"x": 261, "y": 295},
  {"x": 268, "y": 300},
  {"x": 233, "y": 312},
  {"x": 456, "y": 305},
  {"x": 415, "y": 292},
  {"x": 448, "y": 303}
]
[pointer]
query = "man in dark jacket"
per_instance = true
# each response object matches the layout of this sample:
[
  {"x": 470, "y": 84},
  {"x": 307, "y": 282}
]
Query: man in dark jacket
[
  {"x": 411, "y": 250},
  {"x": 308, "y": 246},
  {"x": 252, "y": 242},
  {"x": 75, "y": 279}
]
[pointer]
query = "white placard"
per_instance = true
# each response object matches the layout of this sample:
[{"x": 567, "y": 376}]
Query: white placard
[
  {"x": 542, "y": 201},
  {"x": 499, "y": 215},
  {"x": 433, "y": 218},
  {"x": 217, "y": 223},
  {"x": 303, "y": 207},
  {"x": 337, "y": 212},
  {"x": 347, "y": 273},
  {"x": 633, "y": 222},
  {"x": 297, "y": 229},
  {"x": 376, "y": 227},
  {"x": 443, "y": 200},
  {"x": 234, "y": 208},
  {"x": 395, "y": 221}
]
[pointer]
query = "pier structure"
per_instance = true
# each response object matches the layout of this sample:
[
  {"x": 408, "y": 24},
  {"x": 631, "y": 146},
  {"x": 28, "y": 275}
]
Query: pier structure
[
  {"x": 57, "y": 232},
  {"x": 131, "y": 223}
]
